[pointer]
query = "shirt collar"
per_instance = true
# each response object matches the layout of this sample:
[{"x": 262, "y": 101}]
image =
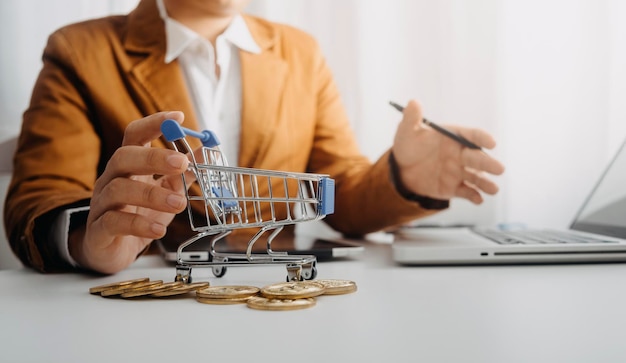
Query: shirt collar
[{"x": 179, "y": 37}]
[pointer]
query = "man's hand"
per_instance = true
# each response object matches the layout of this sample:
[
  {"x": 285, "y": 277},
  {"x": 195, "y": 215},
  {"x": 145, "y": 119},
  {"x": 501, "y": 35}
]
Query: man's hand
[
  {"x": 435, "y": 166},
  {"x": 129, "y": 207}
]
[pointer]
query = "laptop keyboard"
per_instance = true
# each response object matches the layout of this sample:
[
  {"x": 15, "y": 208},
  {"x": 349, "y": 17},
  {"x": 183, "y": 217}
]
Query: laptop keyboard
[{"x": 536, "y": 237}]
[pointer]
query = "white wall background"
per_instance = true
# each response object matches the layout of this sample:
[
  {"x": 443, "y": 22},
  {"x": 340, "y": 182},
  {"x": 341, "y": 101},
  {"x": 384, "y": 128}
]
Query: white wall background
[{"x": 546, "y": 77}]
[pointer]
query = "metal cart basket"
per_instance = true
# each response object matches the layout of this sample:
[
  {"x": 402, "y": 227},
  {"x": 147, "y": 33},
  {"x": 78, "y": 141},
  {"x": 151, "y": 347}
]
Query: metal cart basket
[{"x": 234, "y": 197}]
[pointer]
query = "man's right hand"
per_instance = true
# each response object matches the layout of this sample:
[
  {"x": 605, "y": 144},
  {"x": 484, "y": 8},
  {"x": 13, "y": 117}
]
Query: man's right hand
[{"x": 130, "y": 207}]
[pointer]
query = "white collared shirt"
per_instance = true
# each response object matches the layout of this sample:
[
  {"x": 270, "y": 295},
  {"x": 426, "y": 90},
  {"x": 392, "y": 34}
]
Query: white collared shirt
[{"x": 217, "y": 100}]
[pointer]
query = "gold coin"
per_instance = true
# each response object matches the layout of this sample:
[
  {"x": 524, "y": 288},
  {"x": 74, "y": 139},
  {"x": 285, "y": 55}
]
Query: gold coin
[
  {"x": 293, "y": 290},
  {"x": 337, "y": 287},
  {"x": 122, "y": 289},
  {"x": 223, "y": 301},
  {"x": 151, "y": 289},
  {"x": 115, "y": 285},
  {"x": 198, "y": 285},
  {"x": 227, "y": 292},
  {"x": 262, "y": 303},
  {"x": 181, "y": 290}
]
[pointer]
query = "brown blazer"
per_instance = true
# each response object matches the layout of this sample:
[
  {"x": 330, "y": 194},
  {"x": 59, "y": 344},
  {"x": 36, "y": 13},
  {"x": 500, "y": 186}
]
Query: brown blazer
[{"x": 101, "y": 74}]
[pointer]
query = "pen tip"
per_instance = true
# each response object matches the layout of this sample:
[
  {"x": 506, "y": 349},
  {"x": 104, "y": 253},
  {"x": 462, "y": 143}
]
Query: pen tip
[{"x": 396, "y": 106}]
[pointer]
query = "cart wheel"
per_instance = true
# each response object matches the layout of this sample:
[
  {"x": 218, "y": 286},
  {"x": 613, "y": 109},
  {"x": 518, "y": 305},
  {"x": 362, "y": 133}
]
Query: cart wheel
[
  {"x": 309, "y": 271},
  {"x": 294, "y": 272},
  {"x": 309, "y": 275},
  {"x": 183, "y": 279},
  {"x": 219, "y": 271},
  {"x": 183, "y": 274}
]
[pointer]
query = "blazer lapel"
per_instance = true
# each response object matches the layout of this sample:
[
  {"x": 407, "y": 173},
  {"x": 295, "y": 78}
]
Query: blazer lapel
[
  {"x": 163, "y": 83},
  {"x": 263, "y": 80}
]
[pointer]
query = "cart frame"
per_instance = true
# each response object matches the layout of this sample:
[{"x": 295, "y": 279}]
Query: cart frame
[{"x": 235, "y": 197}]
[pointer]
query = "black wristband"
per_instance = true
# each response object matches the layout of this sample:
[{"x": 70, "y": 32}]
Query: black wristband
[{"x": 425, "y": 202}]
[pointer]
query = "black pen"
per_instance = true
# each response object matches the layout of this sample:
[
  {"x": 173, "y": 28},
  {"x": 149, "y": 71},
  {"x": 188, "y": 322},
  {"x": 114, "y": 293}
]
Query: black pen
[{"x": 456, "y": 137}]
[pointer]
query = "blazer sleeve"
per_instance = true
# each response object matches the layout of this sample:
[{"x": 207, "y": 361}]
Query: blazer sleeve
[
  {"x": 56, "y": 161},
  {"x": 367, "y": 199}
]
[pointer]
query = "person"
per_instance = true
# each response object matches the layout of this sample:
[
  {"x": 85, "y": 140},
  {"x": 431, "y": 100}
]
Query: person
[{"x": 94, "y": 183}]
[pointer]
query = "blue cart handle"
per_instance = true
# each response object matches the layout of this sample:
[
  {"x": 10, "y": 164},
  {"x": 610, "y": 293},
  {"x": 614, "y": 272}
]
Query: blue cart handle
[{"x": 173, "y": 131}]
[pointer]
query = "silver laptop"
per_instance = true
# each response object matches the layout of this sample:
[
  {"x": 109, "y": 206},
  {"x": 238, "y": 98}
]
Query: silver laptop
[{"x": 597, "y": 234}]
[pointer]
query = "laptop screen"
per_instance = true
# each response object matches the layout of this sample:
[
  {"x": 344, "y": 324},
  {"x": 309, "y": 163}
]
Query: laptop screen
[{"x": 604, "y": 211}]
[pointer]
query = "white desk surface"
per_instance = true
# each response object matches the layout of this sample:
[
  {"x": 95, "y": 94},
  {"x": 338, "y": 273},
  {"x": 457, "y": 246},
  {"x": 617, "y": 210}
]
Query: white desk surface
[{"x": 559, "y": 313}]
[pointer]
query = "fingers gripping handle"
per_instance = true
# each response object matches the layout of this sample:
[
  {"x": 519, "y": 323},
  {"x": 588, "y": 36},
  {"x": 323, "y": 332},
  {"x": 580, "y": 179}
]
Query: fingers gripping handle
[{"x": 173, "y": 131}]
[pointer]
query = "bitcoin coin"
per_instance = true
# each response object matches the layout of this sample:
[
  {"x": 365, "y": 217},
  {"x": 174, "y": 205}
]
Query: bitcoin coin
[
  {"x": 181, "y": 290},
  {"x": 337, "y": 287},
  {"x": 293, "y": 290},
  {"x": 223, "y": 301},
  {"x": 227, "y": 292},
  {"x": 151, "y": 289},
  {"x": 122, "y": 289},
  {"x": 263, "y": 303},
  {"x": 115, "y": 285}
]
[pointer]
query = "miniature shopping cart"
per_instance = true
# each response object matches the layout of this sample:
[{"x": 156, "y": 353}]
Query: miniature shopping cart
[{"x": 234, "y": 197}]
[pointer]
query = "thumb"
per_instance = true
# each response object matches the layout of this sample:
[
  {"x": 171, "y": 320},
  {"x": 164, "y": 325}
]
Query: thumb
[{"x": 411, "y": 117}]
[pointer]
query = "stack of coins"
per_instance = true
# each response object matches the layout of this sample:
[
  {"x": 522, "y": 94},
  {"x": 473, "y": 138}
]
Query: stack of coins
[
  {"x": 116, "y": 285},
  {"x": 143, "y": 287},
  {"x": 287, "y": 296},
  {"x": 299, "y": 294},
  {"x": 281, "y": 296},
  {"x": 183, "y": 289},
  {"x": 337, "y": 287}
]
